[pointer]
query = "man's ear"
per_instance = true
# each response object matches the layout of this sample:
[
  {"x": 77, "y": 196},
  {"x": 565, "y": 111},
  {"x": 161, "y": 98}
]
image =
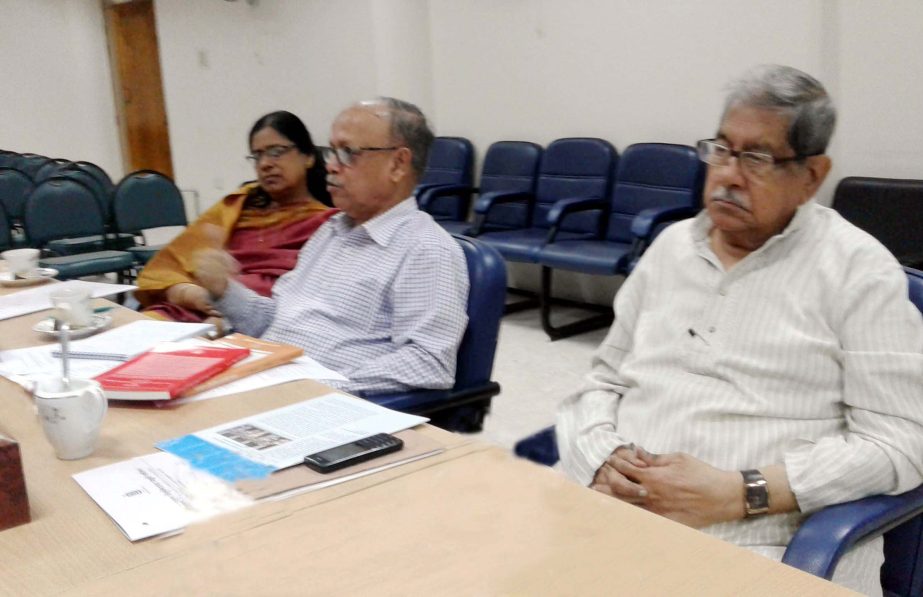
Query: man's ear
[
  {"x": 401, "y": 164},
  {"x": 817, "y": 167},
  {"x": 309, "y": 162}
]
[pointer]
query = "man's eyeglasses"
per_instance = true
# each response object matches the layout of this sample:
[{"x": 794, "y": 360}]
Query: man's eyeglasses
[
  {"x": 273, "y": 152},
  {"x": 753, "y": 163},
  {"x": 347, "y": 155}
]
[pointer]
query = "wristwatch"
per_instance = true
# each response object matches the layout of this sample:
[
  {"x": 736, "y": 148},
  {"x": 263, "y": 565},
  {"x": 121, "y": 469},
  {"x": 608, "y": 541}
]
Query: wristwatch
[{"x": 756, "y": 499}]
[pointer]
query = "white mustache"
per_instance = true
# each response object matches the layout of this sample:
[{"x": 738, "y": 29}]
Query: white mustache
[
  {"x": 732, "y": 196},
  {"x": 333, "y": 182}
]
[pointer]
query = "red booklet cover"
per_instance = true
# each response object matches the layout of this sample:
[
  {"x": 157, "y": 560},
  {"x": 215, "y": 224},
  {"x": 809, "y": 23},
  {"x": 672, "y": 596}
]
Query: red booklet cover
[{"x": 166, "y": 375}]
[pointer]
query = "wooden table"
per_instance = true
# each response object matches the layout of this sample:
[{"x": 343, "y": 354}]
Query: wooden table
[{"x": 471, "y": 521}]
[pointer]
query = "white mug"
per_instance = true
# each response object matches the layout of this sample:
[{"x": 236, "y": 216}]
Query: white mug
[
  {"x": 71, "y": 417},
  {"x": 72, "y": 306},
  {"x": 21, "y": 261}
]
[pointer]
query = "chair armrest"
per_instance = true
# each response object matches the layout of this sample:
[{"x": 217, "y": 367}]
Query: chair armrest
[
  {"x": 429, "y": 193},
  {"x": 647, "y": 220},
  {"x": 485, "y": 202},
  {"x": 826, "y": 535},
  {"x": 561, "y": 208}
]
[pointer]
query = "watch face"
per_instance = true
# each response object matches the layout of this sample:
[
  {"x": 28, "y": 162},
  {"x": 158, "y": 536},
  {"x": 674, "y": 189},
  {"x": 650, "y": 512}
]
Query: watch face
[{"x": 757, "y": 494}]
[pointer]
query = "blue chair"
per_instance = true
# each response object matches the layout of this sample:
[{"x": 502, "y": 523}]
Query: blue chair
[
  {"x": 655, "y": 184},
  {"x": 143, "y": 200},
  {"x": 63, "y": 208},
  {"x": 463, "y": 407},
  {"x": 29, "y": 163},
  {"x": 450, "y": 164},
  {"x": 574, "y": 172},
  {"x": 96, "y": 172},
  {"x": 6, "y": 230},
  {"x": 826, "y": 535},
  {"x": 509, "y": 167},
  {"x": 49, "y": 169}
]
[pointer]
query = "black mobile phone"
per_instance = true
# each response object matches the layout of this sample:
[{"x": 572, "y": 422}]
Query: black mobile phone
[{"x": 332, "y": 459}]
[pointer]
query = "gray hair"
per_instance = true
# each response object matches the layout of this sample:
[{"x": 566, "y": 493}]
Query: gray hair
[
  {"x": 408, "y": 127},
  {"x": 798, "y": 95}
]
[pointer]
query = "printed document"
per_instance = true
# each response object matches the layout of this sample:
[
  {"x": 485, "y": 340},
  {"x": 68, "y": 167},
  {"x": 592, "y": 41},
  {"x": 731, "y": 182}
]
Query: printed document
[
  {"x": 283, "y": 437},
  {"x": 39, "y": 298}
]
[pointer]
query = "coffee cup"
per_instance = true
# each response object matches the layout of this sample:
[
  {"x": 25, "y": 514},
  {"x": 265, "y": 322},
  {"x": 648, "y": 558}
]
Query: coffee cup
[
  {"x": 71, "y": 414},
  {"x": 21, "y": 261},
  {"x": 72, "y": 306}
]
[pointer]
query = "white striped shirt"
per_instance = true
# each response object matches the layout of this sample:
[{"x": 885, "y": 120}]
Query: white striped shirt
[
  {"x": 807, "y": 352},
  {"x": 384, "y": 303}
]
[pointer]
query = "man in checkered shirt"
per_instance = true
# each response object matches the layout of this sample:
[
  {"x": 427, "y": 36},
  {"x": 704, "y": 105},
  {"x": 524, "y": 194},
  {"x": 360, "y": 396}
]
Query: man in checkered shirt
[{"x": 379, "y": 293}]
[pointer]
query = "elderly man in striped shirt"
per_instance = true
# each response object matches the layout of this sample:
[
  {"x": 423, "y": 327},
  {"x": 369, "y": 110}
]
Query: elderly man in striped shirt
[
  {"x": 380, "y": 291},
  {"x": 765, "y": 360}
]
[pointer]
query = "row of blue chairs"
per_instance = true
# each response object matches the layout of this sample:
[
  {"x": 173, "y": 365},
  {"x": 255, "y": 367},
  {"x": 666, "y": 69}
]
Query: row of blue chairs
[
  {"x": 84, "y": 224},
  {"x": 575, "y": 205}
]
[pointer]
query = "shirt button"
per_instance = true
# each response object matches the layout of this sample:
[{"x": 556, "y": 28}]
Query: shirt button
[
  {"x": 711, "y": 330},
  {"x": 723, "y": 292}
]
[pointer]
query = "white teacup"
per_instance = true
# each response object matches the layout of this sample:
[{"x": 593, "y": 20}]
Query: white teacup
[
  {"x": 72, "y": 306},
  {"x": 21, "y": 261},
  {"x": 71, "y": 417}
]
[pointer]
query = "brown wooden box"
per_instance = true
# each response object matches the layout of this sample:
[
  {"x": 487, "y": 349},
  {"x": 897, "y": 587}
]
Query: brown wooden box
[{"x": 14, "y": 503}]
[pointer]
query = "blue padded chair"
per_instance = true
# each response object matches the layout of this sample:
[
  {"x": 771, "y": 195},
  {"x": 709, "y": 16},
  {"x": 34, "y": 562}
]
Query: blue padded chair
[
  {"x": 573, "y": 171},
  {"x": 509, "y": 167},
  {"x": 6, "y": 230},
  {"x": 15, "y": 187},
  {"x": 30, "y": 163},
  {"x": 463, "y": 407},
  {"x": 655, "y": 184},
  {"x": 450, "y": 163},
  {"x": 826, "y": 535},
  {"x": 62, "y": 208},
  {"x": 49, "y": 169},
  {"x": 143, "y": 200},
  {"x": 96, "y": 172},
  {"x": 889, "y": 209}
]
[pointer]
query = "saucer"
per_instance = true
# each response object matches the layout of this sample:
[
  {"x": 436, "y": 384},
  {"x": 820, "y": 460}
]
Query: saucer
[
  {"x": 39, "y": 275},
  {"x": 97, "y": 323}
]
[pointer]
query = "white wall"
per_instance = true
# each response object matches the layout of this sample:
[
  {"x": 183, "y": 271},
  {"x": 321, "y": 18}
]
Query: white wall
[
  {"x": 55, "y": 85},
  {"x": 625, "y": 70}
]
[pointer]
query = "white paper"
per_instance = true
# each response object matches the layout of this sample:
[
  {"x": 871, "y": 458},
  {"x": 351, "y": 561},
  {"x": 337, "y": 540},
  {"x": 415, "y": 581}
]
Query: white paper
[
  {"x": 38, "y": 298},
  {"x": 283, "y": 437},
  {"x": 129, "y": 340},
  {"x": 158, "y": 493},
  {"x": 38, "y": 361}
]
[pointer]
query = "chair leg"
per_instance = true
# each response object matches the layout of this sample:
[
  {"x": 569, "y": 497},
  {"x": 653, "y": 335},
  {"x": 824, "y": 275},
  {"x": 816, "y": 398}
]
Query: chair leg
[
  {"x": 603, "y": 317},
  {"x": 530, "y": 301}
]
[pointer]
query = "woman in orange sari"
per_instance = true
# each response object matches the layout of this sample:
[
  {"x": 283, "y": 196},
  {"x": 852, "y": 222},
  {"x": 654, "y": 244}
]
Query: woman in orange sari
[{"x": 263, "y": 224}]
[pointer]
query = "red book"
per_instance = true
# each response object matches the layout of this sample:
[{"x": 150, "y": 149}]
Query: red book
[{"x": 166, "y": 375}]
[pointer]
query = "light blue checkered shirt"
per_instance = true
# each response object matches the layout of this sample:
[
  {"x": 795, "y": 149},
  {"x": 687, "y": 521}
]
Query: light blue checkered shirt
[{"x": 383, "y": 303}]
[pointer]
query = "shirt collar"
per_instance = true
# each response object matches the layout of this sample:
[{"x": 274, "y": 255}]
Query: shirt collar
[
  {"x": 382, "y": 227},
  {"x": 803, "y": 215}
]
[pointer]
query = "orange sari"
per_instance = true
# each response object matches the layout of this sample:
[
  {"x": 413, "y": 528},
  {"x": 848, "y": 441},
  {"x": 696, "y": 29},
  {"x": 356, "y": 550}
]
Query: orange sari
[{"x": 264, "y": 241}]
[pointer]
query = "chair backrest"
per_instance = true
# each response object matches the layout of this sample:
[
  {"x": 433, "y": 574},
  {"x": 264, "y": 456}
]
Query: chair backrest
[
  {"x": 487, "y": 277},
  {"x": 15, "y": 187},
  {"x": 6, "y": 230},
  {"x": 61, "y": 208},
  {"x": 29, "y": 163},
  {"x": 450, "y": 161},
  {"x": 8, "y": 159},
  {"x": 103, "y": 199},
  {"x": 574, "y": 167},
  {"x": 147, "y": 199},
  {"x": 902, "y": 572},
  {"x": 889, "y": 209},
  {"x": 96, "y": 172},
  {"x": 49, "y": 169},
  {"x": 510, "y": 166},
  {"x": 653, "y": 175}
]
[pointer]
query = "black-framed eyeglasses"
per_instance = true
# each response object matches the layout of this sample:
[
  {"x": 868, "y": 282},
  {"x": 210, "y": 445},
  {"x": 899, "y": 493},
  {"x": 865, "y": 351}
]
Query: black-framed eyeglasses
[
  {"x": 347, "y": 155},
  {"x": 753, "y": 163},
  {"x": 273, "y": 152}
]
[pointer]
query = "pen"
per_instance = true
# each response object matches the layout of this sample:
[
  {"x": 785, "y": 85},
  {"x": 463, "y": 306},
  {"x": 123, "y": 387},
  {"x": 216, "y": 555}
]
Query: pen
[{"x": 102, "y": 309}]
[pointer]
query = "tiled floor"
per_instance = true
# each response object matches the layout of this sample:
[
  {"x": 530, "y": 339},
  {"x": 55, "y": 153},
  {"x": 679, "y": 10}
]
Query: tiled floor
[{"x": 535, "y": 374}]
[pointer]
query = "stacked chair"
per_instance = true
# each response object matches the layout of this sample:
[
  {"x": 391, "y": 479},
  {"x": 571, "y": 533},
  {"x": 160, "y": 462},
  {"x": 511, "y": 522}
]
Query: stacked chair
[{"x": 143, "y": 200}]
